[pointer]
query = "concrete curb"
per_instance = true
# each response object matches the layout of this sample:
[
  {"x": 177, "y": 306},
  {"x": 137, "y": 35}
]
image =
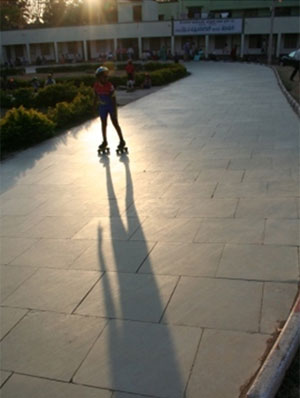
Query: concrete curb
[
  {"x": 272, "y": 372},
  {"x": 294, "y": 104}
]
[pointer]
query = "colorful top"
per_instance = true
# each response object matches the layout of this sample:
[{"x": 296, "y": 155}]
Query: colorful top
[
  {"x": 130, "y": 68},
  {"x": 105, "y": 92}
]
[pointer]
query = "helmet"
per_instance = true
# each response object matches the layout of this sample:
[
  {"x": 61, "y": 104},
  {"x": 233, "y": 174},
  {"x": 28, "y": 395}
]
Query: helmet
[{"x": 101, "y": 70}]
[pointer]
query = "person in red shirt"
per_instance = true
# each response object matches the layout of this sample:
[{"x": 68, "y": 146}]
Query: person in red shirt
[
  {"x": 106, "y": 99},
  {"x": 130, "y": 74}
]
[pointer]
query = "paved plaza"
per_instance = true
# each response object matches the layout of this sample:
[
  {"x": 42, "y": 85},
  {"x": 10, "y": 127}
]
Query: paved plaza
[{"x": 159, "y": 274}]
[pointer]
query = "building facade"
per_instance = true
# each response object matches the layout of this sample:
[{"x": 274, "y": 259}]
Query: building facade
[{"x": 215, "y": 26}]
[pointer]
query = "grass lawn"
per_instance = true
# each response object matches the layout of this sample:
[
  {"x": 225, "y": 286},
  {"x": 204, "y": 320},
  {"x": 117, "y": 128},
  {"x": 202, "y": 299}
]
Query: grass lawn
[{"x": 292, "y": 87}]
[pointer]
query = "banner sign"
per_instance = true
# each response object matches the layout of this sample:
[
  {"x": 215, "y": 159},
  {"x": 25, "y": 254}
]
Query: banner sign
[{"x": 195, "y": 27}]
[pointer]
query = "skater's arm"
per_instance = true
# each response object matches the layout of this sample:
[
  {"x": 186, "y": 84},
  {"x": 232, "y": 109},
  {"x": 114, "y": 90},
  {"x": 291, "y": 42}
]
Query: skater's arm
[{"x": 95, "y": 102}]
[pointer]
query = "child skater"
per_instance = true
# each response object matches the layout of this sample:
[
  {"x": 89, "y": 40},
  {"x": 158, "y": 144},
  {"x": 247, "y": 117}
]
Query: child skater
[{"x": 105, "y": 96}]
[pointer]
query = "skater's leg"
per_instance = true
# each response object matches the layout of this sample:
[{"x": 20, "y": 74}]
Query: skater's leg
[
  {"x": 103, "y": 118},
  {"x": 114, "y": 120}
]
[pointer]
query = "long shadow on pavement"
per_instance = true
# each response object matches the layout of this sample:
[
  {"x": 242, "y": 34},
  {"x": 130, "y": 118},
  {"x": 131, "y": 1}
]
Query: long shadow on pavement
[{"x": 141, "y": 355}]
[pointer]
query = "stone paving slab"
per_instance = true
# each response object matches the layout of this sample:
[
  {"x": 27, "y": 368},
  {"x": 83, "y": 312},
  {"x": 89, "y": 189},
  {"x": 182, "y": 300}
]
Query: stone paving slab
[
  {"x": 277, "y": 303},
  {"x": 129, "y": 296},
  {"x": 9, "y": 318},
  {"x": 113, "y": 255},
  {"x": 183, "y": 259},
  {"x": 167, "y": 230},
  {"x": 222, "y": 230},
  {"x": 225, "y": 361},
  {"x": 142, "y": 358},
  {"x": 257, "y": 262},
  {"x": 51, "y": 253},
  {"x": 188, "y": 305},
  {"x": 16, "y": 226},
  {"x": 33, "y": 387},
  {"x": 62, "y": 227},
  {"x": 49, "y": 345},
  {"x": 268, "y": 208},
  {"x": 53, "y": 290},
  {"x": 12, "y": 277},
  {"x": 105, "y": 228},
  {"x": 282, "y": 232},
  {"x": 12, "y": 247},
  {"x": 223, "y": 208},
  {"x": 3, "y": 377}
]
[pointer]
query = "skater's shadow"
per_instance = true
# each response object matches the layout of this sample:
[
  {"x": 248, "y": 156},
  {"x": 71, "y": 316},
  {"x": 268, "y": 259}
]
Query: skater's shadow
[{"x": 142, "y": 354}]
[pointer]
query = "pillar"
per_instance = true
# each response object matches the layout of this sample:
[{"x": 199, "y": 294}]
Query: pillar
[
  {"x": 173, "y": 45},
  {"x": 242, "y": 45},
  {"x": 206, "y": 45},
  {"x": 85, "y": 51},
  {"x": 140, "y": 47},
  {"x": 278, "y": 45},
  {"x": 115, "y": 47},
  {"x": 28, "y": 55},
  {"x": 56, "y": 52}
]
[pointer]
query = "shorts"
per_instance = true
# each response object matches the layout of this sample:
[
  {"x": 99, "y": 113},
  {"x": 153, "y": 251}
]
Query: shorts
[{"x": 104, "y": 110}]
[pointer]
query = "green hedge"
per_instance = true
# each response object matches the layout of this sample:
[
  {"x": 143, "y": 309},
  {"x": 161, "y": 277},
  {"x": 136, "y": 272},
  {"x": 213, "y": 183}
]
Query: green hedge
[
  {"x": 6, "y": 99},
  {"x": 148, "y": 66},
  {"x": 11, "y": 71},
  {"x": 22, "y": 128},
  {"x": 67, "y": 68},
  {"x": 51, "y": 95},
  {"x": 14, "y": 98},
  {"x": 65, "y": 114}
]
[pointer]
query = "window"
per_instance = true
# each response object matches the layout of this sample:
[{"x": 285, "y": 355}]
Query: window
[
  {"x": 161, "y": 17},
  {"x": 255, "y": 41},
  {"x": 194, "y": 12},
  {"x": 72, "y": 47},
  {"x": 283, "y": 11},
  {"x": 154, "y": 43},
  {"x": 137, "y": 13},
  {"x": 251, "y": 13},
  {"x": 220, "y": 42},
  {"x": 19, "y": 50},
  {"x": 45, "y": 48},
  {"x": 220, "y": 14},
  {"x": 290, "y": 41}
]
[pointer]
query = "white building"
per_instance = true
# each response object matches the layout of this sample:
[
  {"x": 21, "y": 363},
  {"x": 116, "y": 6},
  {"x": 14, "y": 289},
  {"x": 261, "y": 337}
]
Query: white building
[{"x": 142, "y": 27}]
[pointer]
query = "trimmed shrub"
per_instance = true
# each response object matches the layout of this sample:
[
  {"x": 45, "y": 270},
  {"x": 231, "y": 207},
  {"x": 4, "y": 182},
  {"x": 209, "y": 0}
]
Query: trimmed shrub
[
  {"x": 6, "y": 99},
  {"x": 110, "y": 65},
  {"x": 65, "y": 114},
  {"x": 122, "y": 65},
  {"x": 51, "y": 95},
  {"x": 21, "y": 128},
  {"x": 68, "y": 68},
  {"x": 152, "y": 66},
  {"x": 61, "y": 114},
  {"x": 11, "y": 71},
  {"x": 24, "y": 96},
  {"x": 88, "y": 80},
  {"x": 85, "y": 90},
  {"x": 82, "y": 106}
]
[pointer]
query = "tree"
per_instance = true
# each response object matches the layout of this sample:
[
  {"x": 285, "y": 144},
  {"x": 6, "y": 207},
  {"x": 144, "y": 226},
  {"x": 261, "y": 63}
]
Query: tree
[
  {"x": 54, "y": 12},
  {"x": 14, "y": 14}
]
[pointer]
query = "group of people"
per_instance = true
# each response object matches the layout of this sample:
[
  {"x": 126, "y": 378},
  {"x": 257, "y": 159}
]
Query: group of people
[
  {"x": 130, "y": 70},
  {"x": 48, "y": 82}
]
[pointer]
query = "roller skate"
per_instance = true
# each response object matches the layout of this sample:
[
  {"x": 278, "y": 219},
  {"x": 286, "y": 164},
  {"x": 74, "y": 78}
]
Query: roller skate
[
  {"x": 122, "y": 148},
  {"x": 103, "y": 149}
]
